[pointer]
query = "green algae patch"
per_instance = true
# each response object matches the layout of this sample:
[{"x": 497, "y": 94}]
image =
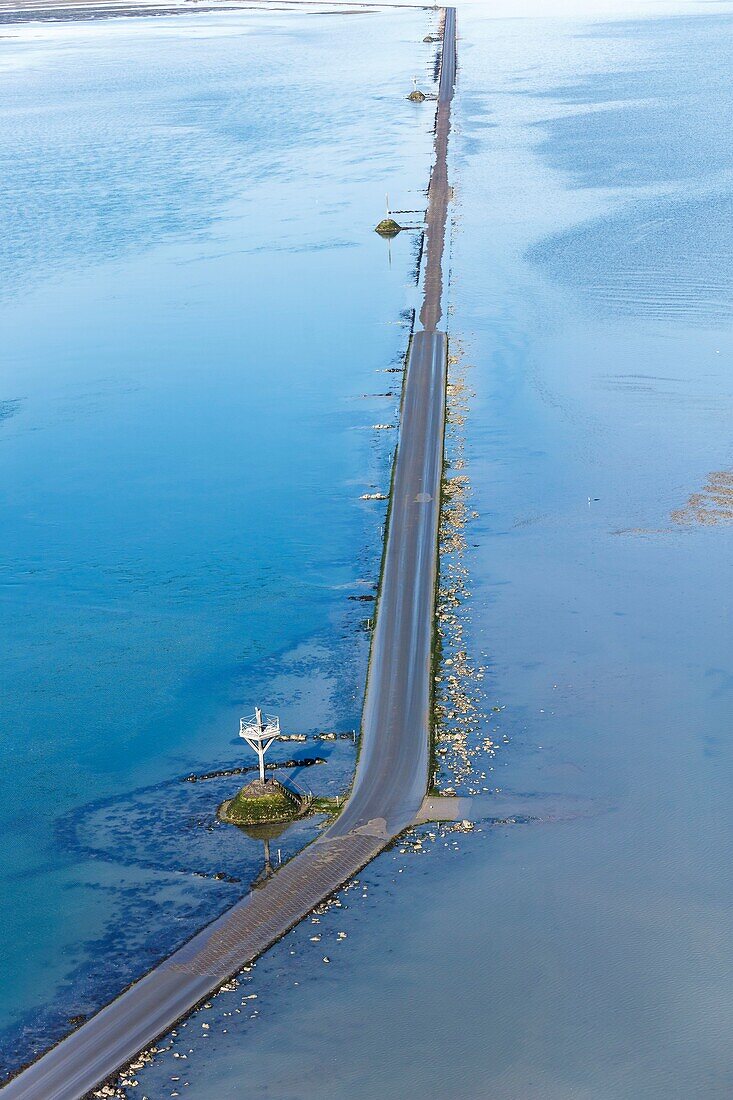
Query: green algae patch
[
  {"x": 261, "y": 803},
  {"x": 388, "y": 227},
  {"x": 330, "y": 806}
]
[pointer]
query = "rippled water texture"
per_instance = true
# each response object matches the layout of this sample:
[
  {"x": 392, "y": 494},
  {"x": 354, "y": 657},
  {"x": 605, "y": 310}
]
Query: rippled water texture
[
  {"x": 198, "y": 328},
  {"x": 591, "y": 277}
]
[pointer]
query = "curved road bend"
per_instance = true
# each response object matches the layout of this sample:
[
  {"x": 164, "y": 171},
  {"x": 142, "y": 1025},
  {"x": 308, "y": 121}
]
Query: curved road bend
[{"x": 392, "y": 771}]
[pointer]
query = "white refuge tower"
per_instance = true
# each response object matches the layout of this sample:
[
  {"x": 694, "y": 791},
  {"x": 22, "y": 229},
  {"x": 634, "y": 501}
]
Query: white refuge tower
[{"x": 260, "y": 731}]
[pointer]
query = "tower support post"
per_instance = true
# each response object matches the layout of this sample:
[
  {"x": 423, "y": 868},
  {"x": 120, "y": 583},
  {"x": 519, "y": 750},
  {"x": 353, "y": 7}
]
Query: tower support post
[{"x": 260, "y": 731}]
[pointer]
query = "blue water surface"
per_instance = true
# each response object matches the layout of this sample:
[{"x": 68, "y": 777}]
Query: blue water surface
[
  {"x": 588, "y": 958},
  {"x": 200, "y": 329}
]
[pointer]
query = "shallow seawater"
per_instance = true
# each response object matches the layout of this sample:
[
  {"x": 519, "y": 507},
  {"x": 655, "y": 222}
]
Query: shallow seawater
[
  {"x": 200, "y": 330},
  {"x": 589, "y": 957}
]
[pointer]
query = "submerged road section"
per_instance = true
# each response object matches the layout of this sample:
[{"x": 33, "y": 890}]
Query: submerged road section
[{"x": 392, "y": 772}]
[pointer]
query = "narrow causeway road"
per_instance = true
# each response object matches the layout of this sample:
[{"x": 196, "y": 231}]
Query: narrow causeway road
[{"x": 392, "y": 772}]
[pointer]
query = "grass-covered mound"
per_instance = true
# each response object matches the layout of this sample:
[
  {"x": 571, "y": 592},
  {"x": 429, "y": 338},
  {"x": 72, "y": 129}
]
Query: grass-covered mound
[
  {"x": 260, "y": 802},
  {"x": 388, "y": 227}
]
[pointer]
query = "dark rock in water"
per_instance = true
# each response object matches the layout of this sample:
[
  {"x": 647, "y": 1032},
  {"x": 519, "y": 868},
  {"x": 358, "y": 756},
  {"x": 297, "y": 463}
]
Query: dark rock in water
[
  {"x": 431, "y": 38},
  {"x": 416, "y": 96},
  {"x": 388, "y": 227}
]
